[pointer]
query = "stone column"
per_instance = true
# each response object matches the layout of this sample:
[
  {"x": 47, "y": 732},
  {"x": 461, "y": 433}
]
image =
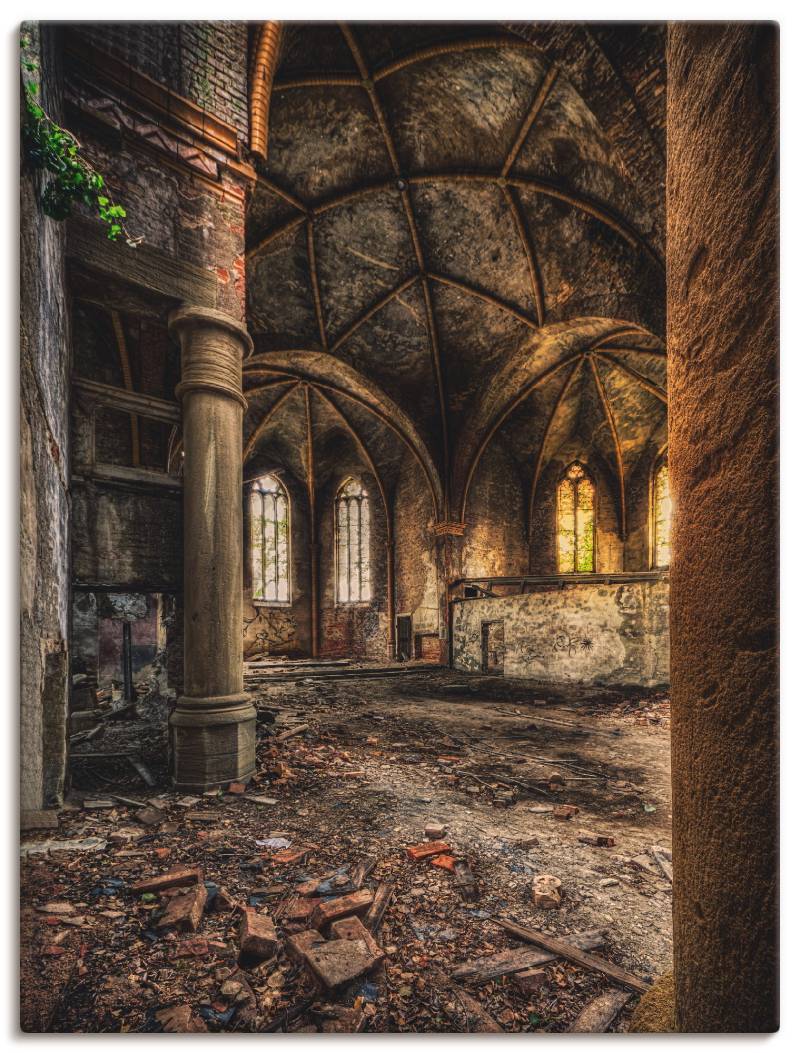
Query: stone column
[
  {"x": 213, "y": 726},
  {"x": 722, "y": 300}
]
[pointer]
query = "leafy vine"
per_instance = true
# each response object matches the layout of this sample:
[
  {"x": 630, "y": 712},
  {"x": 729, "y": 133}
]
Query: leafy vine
[{"x": 73, "y": 179}]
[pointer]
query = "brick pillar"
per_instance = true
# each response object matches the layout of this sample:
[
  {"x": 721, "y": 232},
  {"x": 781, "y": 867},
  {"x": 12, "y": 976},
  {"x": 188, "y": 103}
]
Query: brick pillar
[
  {"x": 213, "y": 726},
  {"x": 722, "y": 299}
]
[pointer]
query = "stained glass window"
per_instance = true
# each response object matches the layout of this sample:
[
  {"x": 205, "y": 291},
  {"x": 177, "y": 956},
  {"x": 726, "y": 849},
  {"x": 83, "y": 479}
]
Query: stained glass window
[
  {"x": 353, "y": 572},
  {"x": 269, "y": 538},
  {"x": 662, "y": 517},
  {"x": 575, "y": 522}
]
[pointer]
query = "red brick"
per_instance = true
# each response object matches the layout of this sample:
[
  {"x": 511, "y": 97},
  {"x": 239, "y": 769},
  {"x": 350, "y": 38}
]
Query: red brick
[
  {"x": 330, "y": 910},
  {"x": 426, "y": 849},
  {"x": 258, "y": 939},
  {"x": 171, "y": 879},
  {"x": 565, "y": 811},
  {"x": 185, "y": 910}
]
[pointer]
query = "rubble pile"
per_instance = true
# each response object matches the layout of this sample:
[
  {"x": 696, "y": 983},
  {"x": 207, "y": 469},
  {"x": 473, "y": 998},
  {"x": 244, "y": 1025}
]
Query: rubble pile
[{"x": 307, "y": 901}]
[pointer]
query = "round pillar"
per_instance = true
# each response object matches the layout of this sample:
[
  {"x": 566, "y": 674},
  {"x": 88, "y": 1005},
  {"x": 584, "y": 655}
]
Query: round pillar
[
  {"x": 213, "y": 725},
  {"x": 722, "y": 309}
]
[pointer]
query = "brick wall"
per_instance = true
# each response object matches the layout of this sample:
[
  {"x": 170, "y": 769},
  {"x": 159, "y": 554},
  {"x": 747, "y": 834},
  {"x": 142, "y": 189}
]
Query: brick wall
[{"x": 205, "y": 62}]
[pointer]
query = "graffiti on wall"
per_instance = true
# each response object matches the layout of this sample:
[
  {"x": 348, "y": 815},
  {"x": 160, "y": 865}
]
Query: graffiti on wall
[{"x": 271, "y": 630}]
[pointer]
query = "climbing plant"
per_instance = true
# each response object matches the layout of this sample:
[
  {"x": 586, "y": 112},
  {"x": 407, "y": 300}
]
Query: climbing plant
[{"x": 72, "y": 177}]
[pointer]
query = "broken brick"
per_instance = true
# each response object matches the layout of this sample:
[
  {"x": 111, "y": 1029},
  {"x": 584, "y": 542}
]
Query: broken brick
[
  {"x": 426, "y": 849},
  {"x": 444, "y": 861},
  {"x": 291, "y": 855},
  {"x": 171, "y": 879},
  {"x": 565, "y": 811},
  {"x": 330, "y": 910},
  {"x": 352, "y": 929},
  {"x": 434, "y": 831},
  {"x": 298, "y": 944},
  {"x": 529, "y": 980},
  {"x": 258, "y": 939},
  {"x": 185, "y": 910},
  {"x": 237, "y": 787},
  {"x": 339, "y": 962},
  {"x": 546, "y": 892}
]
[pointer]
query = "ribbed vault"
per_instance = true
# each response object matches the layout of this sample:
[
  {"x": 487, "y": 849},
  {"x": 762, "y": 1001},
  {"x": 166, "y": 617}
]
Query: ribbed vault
[{"x": 446, "y": 250}]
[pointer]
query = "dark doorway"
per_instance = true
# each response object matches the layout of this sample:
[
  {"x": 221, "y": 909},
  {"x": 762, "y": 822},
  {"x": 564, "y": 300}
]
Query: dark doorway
[
  {"x": 403, "y": 637},
  {"x": 492, "y": 647}
]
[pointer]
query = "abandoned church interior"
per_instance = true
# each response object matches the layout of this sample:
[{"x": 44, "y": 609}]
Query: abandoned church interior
[{"x": 398, "y": 526}]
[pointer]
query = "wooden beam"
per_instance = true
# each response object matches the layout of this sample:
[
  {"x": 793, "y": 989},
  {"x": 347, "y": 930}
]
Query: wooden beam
[
  {"x": 128, "y": 401},
  {"x": 562, "y": 949}
]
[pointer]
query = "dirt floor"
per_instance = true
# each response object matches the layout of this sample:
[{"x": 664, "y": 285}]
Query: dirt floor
[{"x": 350, "y": 771}]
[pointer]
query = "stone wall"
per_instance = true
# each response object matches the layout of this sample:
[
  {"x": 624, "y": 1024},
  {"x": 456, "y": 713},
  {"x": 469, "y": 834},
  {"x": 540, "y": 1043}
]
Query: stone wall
[
  {"x": 587, "y": 633},
  {"x": 44, "y": 476}
]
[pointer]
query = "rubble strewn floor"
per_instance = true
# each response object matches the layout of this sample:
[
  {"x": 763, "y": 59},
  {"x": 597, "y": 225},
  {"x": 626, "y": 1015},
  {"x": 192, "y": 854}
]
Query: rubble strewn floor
[{"x": 350, "y": 772}]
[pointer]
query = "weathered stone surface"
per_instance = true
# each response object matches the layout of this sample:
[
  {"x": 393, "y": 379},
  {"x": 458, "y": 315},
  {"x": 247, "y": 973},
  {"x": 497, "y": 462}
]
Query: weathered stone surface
[
  {"x": 723, "y": 346},
  {"x": 353, "y": 929},
  {"x": 301, "y": 942}
]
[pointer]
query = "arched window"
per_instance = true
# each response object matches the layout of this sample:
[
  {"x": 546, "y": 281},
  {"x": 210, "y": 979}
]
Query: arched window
[
  {"x": 269, "y": 540},
  {"x": 662, "y": 517},
  {"x": 575, "y": 522},
  {"x": 353, "y": 574}
]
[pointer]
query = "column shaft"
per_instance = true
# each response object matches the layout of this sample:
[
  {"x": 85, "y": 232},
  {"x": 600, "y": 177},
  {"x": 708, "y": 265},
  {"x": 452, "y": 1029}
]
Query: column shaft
[
  {"x": 723, "y": 345},
  {"x": 214, "y": 722}
]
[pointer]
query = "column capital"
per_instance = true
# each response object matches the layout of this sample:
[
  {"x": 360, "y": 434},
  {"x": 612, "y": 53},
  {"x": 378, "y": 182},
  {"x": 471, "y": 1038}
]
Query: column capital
[
  {"x": 187, "y": 316},
  {"x": 213, "y": 345}
]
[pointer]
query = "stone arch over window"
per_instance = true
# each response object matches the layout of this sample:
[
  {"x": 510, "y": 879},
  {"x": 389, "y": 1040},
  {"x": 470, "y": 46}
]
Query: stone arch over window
[
  {"x": 662, "y": 515},
  {"x": 352, "y": 523},
  {"x": 270, "y": 540},
  {"x": 575, "y": 521}
]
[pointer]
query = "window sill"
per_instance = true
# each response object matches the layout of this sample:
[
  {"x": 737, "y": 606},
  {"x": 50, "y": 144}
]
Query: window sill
[{"x": 281, "y": 604}]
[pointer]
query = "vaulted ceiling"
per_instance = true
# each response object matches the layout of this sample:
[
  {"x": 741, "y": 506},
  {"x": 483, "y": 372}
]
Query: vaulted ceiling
[{"x": 448, "y": 247}]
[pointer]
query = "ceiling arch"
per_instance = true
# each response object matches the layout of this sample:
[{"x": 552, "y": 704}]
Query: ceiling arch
[{"x": 436, "y": 199}]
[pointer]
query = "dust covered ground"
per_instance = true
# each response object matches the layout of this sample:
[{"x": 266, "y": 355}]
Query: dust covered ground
[{"x": 350, "y": 771}]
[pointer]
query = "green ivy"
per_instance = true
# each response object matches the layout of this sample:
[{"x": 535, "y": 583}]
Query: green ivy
[{"x": 73, "y": 179}]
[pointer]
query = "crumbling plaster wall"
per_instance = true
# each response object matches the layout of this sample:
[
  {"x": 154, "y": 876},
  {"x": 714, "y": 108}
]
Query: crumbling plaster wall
[
  {"x": 582, "y": 633},
  {"x": 44, "y": 476}
]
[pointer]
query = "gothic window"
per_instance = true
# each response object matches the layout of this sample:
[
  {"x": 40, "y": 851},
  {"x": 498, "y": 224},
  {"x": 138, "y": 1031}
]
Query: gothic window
[
  {"x": 353, "y": 573},
  {"x": 575, "y": 522},
  {"x": 269, "y": 540},
  {"x": 662, "y": 517}
]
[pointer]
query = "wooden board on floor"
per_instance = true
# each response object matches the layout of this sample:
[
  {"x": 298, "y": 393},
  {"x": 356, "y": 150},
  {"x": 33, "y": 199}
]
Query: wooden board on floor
[
  {"x": 562, "y": 949},
  {"x": 598, "y": 1016},
  {"x": 512, "y": 961}
]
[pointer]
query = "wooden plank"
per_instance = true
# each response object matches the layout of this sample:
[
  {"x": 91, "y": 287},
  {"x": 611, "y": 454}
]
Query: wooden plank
[
  {"x": 146, "y": 267},
  {"x": 562, "y": 949},
  {"x": 599, "y": 1014},
  {"x": 374, "y": 916},
  {"x": 363, "y": 870},
  {"x": 503, "y": 963},
  {"x": 130, "y": 401}
]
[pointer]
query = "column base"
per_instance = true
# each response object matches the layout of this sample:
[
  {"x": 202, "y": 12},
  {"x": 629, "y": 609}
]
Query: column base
[{"x": 213, "y": 741}]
